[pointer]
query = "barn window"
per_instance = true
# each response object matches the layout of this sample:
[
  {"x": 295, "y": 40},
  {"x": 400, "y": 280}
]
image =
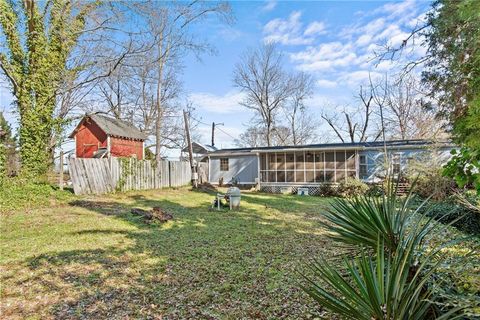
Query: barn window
[{"x": 223, "y": 164}]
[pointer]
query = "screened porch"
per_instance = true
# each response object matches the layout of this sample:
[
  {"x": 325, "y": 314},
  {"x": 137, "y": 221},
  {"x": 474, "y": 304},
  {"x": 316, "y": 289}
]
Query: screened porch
[{"x": 307, "y": 167}]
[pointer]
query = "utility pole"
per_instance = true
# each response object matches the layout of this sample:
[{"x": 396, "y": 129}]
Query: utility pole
[
  {"x": 213, "y": 131},
  {"x": 190, "y": 151}
]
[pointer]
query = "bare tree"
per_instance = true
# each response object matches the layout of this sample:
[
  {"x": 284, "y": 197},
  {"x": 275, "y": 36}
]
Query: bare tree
[
  {"x": 146, "y": 89},
  {"x": 266, "y": 84},
  {"x": 355, "y": 124},
  {"x": 408, "y": 114},
  {"x": 302, "y": 126},
  {"x": 255, "y": 136},
  {"x": 170, "y": 34}
]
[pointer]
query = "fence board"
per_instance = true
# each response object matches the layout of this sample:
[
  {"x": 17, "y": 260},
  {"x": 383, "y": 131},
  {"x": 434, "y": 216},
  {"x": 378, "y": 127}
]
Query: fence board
[{"x": 97, "y": 176}]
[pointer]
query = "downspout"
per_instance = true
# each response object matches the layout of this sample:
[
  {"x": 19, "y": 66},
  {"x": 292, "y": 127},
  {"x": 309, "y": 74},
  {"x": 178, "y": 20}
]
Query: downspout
[
  {"x": 258, "y": 171},
  {"x": 108, "y": 146},
  {"x": 357, "y": 164},
  {"x": 209, "y": 169}
]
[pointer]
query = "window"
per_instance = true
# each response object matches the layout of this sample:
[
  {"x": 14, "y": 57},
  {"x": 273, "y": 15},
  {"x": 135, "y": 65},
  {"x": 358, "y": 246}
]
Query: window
[
  {"x": 396, "y": 163},
  {"x": 363, "y": 166},
  {"x": 299, "y": 160},
  {"x": 281, "y": 161},
  {"x": 223, "y": 164}
]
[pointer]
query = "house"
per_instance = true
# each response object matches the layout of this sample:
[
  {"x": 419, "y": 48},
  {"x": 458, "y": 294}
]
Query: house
[
  {"x": 199, "y": 151},
  {"x": 286, "y": 168},
  {"x": 98, "y": 136}
]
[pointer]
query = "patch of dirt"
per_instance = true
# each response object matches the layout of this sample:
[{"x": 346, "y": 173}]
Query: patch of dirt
[
  {"x": 156, "y": 214},
  {"x": 207, "y": 187},
  {"x": 104, "y": 207}
]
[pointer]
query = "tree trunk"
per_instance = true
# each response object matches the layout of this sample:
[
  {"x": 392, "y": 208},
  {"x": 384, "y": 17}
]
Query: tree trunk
[
  {"x": 158, "y": 132},
  {"x": 158, "y": 120},
  {"x": 268, "y": 134}
]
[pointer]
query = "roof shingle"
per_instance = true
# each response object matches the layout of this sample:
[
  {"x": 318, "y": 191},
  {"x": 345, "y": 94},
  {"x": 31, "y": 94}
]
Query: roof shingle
[{"x": 115, "y": 127}]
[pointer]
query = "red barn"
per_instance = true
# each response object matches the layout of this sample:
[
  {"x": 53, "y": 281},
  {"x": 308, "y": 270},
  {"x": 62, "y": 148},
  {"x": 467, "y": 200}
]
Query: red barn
[{"x": 98, "y": 136}]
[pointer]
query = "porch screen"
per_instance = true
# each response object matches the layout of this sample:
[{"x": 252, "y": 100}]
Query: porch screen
[{"x": 307, "y": 166}]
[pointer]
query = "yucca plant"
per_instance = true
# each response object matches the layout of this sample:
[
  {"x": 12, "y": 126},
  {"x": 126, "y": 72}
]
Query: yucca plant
[
  {"x": 391, "y": 279},
  {"x": 381, "y": 287},
  {"x": 361, "y": 220}
]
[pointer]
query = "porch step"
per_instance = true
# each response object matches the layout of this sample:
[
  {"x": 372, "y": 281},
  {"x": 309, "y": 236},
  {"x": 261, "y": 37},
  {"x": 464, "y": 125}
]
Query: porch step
[{"x": 402, "y": 188}]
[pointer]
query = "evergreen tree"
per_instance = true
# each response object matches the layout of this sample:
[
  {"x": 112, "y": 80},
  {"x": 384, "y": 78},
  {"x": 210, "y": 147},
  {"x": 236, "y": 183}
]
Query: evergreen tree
[{"x": 453, "y": 65}]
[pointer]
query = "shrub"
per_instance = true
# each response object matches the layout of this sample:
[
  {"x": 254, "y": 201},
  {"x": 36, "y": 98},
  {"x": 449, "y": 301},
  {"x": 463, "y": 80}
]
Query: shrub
[
  {"x": 361, "y": 220},
  {"x": 328, "y": 190},
  {"x": 388, "y": 286},
  {"x": 352, "y": 188},
  {"x": 464, "y": 218},
  {"x": 464, "y": 167},
  {"x": 375, "y": 190},
  {"x": 22, "y": 194},
  {"x": 434, "y": 185},
  {"x": 394, "y": 277}
]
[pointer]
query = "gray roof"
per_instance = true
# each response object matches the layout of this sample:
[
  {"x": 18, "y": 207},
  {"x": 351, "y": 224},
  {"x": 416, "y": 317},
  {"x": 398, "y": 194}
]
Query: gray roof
[
  {"x": 114, "y": 127},
  {"x": 200, "y": 148},
  {"x": 392, "y": 144}
]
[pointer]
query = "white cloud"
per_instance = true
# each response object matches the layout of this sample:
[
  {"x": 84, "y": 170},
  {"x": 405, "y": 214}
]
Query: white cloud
[
  {"x": 230, "y": 34},
  {"x": 357, "y": 45},
  {"x": 363, "y": 40},
  {"x": 269, "y": 5},
  {"x": 355, "y": 79},
  {"x": 287, "y": 31},
  {"x": 290, "y": 31},
  {"x": 314, "y": 28},
  {"x": 325, "y": 57},
  {"x": 399, "y": 9},
  {"x": 227, "y": 103},
  {"x": 324, "y": 83}
]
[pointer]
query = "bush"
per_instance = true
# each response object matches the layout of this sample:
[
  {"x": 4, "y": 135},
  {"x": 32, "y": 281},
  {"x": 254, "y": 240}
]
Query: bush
[
  {"x": 451, "y": 211},
  {"x": 433, "y": 184},
  {"x": 23, "y": 194},
  {"x": 352, "y": 188},
  {"x": 375, "y": 190},
  {"x": 395, "y": 276},
  {"x": 328, "y": 190},
  {"x": 464, "y": 167}
]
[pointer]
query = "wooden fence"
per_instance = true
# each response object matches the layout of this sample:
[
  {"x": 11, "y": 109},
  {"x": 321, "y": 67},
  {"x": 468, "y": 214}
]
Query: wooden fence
[{"x": 97, "y": 176}]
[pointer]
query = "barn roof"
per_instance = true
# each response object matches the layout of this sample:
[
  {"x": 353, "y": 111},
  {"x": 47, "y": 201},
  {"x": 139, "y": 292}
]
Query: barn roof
[{"x": 113, "y": 127}]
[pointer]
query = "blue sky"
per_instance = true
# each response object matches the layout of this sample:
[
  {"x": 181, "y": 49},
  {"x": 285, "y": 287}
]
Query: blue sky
[{"x": 331, "y": 40}]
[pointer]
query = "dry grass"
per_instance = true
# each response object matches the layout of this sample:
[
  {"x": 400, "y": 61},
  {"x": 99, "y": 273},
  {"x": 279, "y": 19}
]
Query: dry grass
[{"x": 91, "y": 258}]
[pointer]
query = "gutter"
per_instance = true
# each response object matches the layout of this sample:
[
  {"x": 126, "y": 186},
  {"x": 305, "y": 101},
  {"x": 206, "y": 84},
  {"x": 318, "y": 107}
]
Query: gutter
[
  {"x": 351, "y": 148},
  {"x": 248, "y": 153},
  {"x": 354, "y": 148}
]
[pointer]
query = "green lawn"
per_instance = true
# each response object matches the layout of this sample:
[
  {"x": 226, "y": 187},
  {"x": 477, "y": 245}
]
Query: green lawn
[{"x": 90, "y": 258}]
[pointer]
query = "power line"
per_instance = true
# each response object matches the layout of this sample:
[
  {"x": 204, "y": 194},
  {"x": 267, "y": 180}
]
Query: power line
[
  {"x": 228, "y": 134},
  {"x": 208, "y": 124}
]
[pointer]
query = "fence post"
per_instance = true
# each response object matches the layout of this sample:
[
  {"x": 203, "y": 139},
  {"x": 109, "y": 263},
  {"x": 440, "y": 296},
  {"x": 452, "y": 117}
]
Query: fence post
[
  {"x": 60, "y": 182},
  {"x": 169, "y": 174}
]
